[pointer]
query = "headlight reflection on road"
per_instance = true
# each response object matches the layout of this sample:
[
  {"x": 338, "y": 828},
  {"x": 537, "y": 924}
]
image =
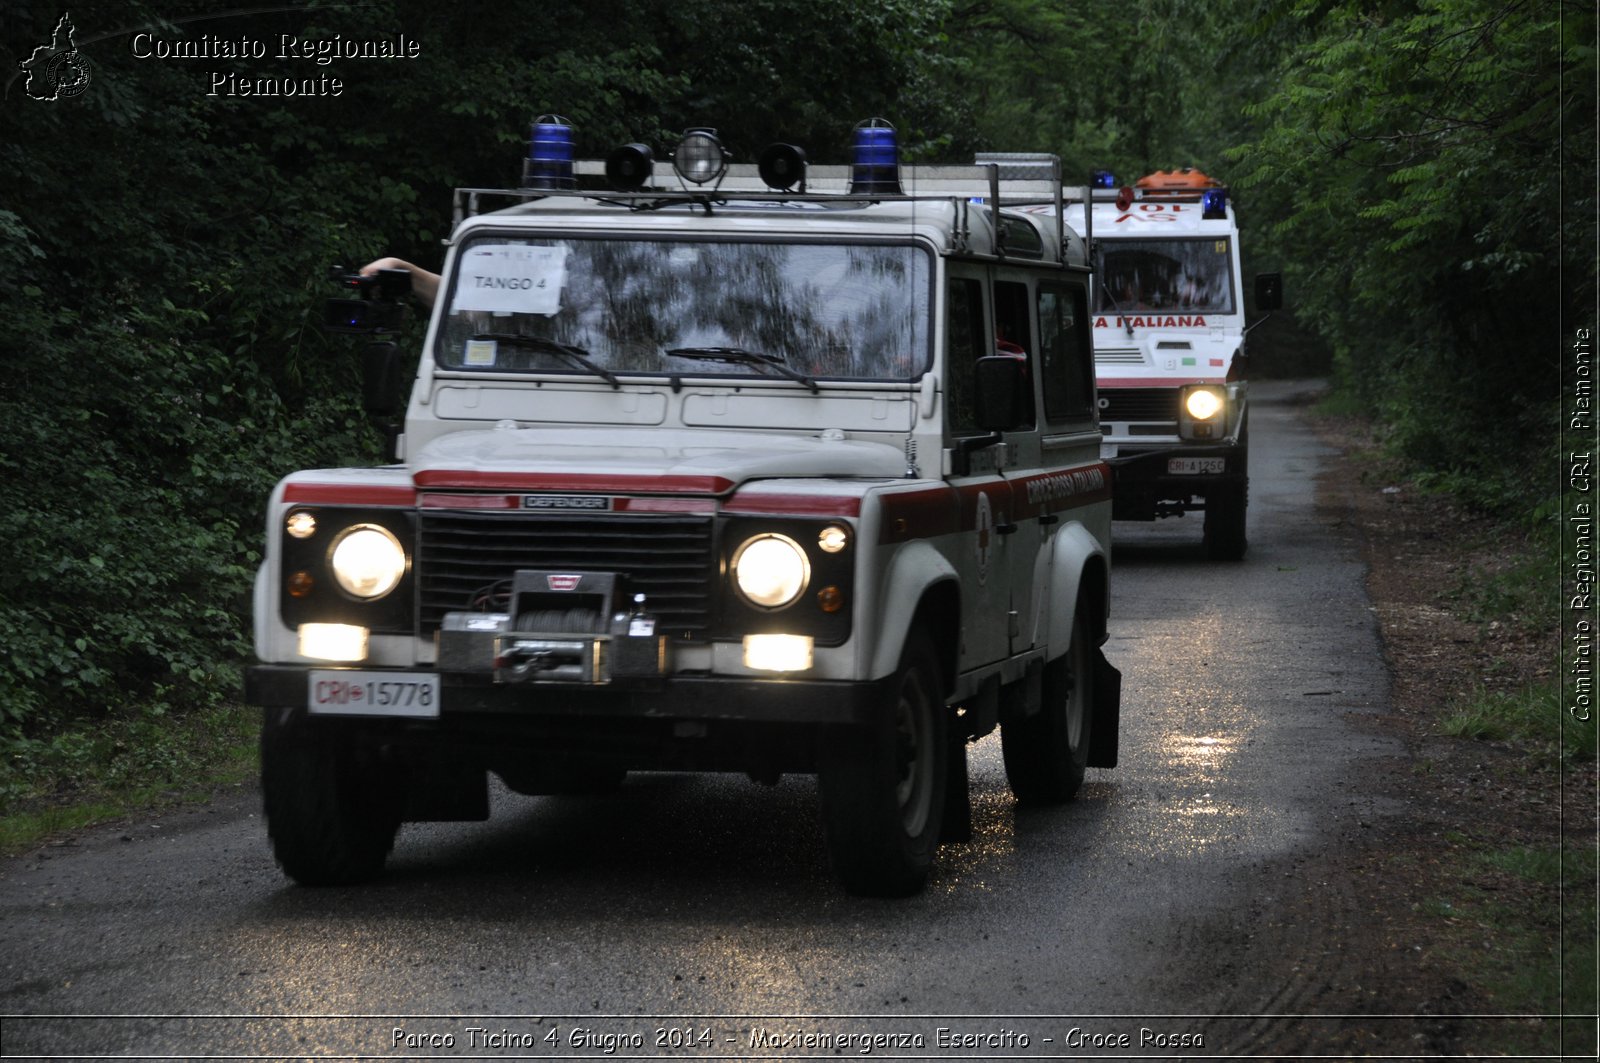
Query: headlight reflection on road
[{"x": 1197, "y": 765}]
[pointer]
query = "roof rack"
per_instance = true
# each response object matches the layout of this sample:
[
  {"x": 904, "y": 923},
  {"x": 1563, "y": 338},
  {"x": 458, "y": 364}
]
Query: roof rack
[{"x": 994, "y": 180}]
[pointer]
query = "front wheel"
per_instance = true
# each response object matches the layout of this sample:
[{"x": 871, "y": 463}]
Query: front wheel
[
  {"x": 883, "y": 788},
  {"x": 1046, "y": 753},
  {"x": 1224, "y": 526},
  {"x": 332, "y": 814}
]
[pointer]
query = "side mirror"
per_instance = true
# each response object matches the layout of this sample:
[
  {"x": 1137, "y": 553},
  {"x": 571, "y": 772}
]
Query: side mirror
[
  {"x": 1269, "y": 292},
  {"x": 380, "y": 379},
  {"x": 1002, "y": 396}
]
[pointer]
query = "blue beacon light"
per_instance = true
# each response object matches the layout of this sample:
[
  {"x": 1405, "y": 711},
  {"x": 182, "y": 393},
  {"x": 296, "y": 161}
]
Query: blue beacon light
[
  {"x": 549, "y": 164},
  {"x": 1104, "y": 179},
  {"x": 875, "y": 157},
  {"x": 1214, "y": 203}
]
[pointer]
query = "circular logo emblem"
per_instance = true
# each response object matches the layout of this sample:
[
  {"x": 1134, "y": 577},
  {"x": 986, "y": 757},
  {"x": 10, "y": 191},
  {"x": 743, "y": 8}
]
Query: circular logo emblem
[
  {"x": 1105, "y": 403},
  {"x": 68, "y": 74}
]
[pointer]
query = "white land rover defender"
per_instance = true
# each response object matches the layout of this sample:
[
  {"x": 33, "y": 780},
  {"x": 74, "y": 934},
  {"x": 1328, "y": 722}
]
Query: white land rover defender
[
  {"x": 769, "y": 469},
  {"x": 1169, "y": 348}
]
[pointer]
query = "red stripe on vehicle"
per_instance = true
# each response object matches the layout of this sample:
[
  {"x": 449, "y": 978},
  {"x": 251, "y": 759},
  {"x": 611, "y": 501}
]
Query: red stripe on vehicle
[
  {"x": 918, "y": 514},
  {"x": 1152, "y": 381},
  {"x": 800, "y": 505},
  {"x": 434, "y": 500},
  {"x": 349, "y": 494},
  {"x": 1061, "y": 489},
  {"x": 576, "y": 483},
  {"x": 666, "y": 505}
]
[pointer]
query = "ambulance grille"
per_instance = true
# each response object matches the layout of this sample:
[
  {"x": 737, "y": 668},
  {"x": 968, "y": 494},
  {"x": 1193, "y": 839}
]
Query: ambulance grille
[
  {"x": 1139, "y": 404},
  {"x": 671, "y": 560},
  {"x": 1118, "y": 356}
]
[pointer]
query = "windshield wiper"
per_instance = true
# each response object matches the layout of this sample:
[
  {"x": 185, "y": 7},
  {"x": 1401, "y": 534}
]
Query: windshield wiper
[
  {"x": 1106, "y": 291},
  {"x": 740, "y": 356},
  {"x": 576, "y": 355}
]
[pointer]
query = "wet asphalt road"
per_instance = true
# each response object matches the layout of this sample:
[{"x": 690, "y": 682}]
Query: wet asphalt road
[{"x": 693, "y": 916}]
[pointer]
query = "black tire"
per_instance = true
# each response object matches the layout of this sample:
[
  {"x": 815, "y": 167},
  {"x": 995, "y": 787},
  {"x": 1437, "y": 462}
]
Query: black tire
[
  {"x": 1225, "y": 524},
  {"x": 331, "y": 814},
  {"x": 1046, "y": 754},
  {"x": 883, "y": 789}
]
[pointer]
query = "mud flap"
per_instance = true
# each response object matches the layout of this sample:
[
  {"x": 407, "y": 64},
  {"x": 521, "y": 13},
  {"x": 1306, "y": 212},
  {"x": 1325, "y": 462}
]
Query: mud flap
[
  {"x": 1107, "y": 713},
  {"x": 957, "y": 823}
]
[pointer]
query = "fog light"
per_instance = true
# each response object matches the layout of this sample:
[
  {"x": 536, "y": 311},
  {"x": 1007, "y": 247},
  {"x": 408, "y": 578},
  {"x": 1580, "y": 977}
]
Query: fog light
[
  {"x": 778, "y": 653},
  {"x": 301, "y": 524},
  {"x": 333, "y": 642}
]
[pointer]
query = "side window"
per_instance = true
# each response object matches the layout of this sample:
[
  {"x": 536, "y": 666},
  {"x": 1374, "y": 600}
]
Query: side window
[
  {"x": 1065, "y": 360},
  {"x": 1011, "y": 321},
  {"x": 964, "y": 335}
]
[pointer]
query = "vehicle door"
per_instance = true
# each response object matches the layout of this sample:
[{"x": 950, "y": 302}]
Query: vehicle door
[
  {"x": 981, "y": 547},
  {"x": 1068, "y": 439}
]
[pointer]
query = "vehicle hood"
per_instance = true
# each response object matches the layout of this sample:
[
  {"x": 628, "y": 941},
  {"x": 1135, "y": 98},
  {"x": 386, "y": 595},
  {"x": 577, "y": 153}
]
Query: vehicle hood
[{"x": 646, "y": 461}]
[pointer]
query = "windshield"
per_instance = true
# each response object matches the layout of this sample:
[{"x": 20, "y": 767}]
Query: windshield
[
  {"x": 1193, "y": 276},
  {"x": 790, "y": 311}
]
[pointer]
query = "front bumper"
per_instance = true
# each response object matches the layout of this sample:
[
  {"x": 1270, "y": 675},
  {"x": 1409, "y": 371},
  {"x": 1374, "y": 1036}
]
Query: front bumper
[
  {"x": 689, "y": 698},
  {"x": 1144, "y": 488}
]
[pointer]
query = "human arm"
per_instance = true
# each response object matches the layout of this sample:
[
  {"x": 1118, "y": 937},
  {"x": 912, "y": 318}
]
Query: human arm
[{"x": 424, "y": 284}]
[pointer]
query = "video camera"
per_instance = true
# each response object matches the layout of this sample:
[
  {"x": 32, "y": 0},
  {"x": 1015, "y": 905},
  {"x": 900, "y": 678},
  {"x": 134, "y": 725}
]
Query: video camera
[{"x": 379, "y": 306}]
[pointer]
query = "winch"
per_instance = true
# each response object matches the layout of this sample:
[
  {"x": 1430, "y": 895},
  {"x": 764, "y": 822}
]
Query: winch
[{"x": 559, "y": 627}]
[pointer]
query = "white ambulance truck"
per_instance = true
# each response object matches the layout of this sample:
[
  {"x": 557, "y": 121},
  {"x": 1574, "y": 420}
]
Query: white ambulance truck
[
  {"x": 772, "y": 469},
  {"x": 1169, "y": 342}
]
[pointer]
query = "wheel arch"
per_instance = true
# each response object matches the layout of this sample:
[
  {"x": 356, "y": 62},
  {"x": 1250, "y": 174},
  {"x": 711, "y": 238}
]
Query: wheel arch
[
  {"x": 1082, "y": 571},
  {"x": 920, "y": 586}
]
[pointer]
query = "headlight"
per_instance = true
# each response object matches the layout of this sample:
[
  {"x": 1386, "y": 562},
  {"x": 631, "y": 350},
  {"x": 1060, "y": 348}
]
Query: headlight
[
  {"x": 1203, "y": 403},
  {"x": 367, "y": 561},
  {"x": 771, "y": 571}
]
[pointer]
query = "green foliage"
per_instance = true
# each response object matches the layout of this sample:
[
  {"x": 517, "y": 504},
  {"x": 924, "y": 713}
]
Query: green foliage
[
  {"x": 1428, "y": 220},
  {"x": 1534, "y": 719},
  {"x": 1134, "y": 87},
  {"x": 112, "y": 768}
]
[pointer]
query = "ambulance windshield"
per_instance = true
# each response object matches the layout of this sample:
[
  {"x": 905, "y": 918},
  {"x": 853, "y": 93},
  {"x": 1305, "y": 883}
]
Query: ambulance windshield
[
  {"x": 792, "y": 311},
  {"x": 1189, "y": 275}
]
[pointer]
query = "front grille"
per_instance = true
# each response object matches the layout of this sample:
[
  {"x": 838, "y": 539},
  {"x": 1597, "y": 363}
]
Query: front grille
[
  {"x": 1118, "y": 356},
  {"x": 1139, "y": 404},
  {"x": 671, "y": 560}
]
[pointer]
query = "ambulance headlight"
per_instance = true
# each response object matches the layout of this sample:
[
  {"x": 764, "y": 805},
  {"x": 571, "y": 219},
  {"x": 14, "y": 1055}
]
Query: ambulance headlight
[
  {"x": 367, "y": 561},
  {"x": 1202, "y": 404},
  {"x": 1203, "y": 414},
  {"x": 771, "y": 571}
]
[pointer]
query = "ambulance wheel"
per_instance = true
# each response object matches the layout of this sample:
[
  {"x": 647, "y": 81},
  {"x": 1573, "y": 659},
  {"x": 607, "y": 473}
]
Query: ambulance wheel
[
  {"x": 1046, "y": 754},
  {"x": 1224, "y": 526},
  {"x": 332, "y": 816},
  {"x": 883, "y": 788}
]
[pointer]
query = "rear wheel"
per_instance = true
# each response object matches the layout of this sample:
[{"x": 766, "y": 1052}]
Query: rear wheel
[
  {"x": 883, "y": 789},
  {"x": 332, "y": 813},
  {"x": 1046, "y": 754}
]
